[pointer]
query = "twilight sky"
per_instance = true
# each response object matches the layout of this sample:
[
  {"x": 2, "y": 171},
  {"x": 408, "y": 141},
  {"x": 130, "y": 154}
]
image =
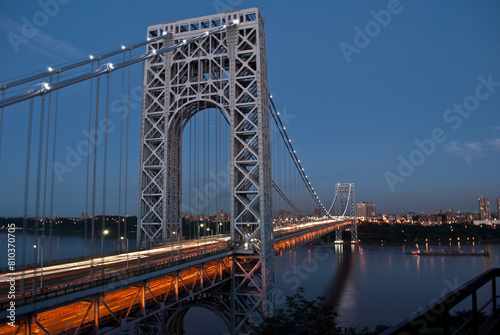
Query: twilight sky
[{"x": 400, "y": 97}]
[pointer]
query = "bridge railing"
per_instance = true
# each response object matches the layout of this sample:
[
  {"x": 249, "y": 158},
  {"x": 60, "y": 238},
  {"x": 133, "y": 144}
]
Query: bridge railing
[
  {"x": 284, "y": 231},
  {"x": 438, "y": 314},
  {"x": 110, "y": 278},
  {"x": 33, "y": 266}
]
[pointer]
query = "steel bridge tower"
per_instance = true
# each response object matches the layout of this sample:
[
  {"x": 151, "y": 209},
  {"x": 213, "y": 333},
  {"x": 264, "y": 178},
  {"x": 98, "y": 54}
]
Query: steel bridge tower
[
  {"x": 344, "y": 205},
  {"x": 226, "y": 71}
]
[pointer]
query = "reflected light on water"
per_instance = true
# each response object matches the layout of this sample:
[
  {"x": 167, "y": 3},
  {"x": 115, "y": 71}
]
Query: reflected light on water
[
  {"x": 362, "y": 260},
  {"x": 309, "y": 257}
]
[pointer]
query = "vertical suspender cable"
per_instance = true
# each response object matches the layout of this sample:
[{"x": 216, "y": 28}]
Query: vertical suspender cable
[
  {"x": 296, "y": 187},
  {"x": 196, "y": 162},
  {"x": 37, "y": 196},
  {"x": 188, "y": 193},
  {"x": 126, "y": 153},
  {"x": 38, "y": 180},
  {"x": 105, "y": 166},
  {"x": 92, "y": 230},
  {"x": 190, "y": 172},
  {"x": 27, "y": 179},
  {"x": 227, "y": 165},
  {"x": 46, "y": 165},
  {"x": 275, "y": 168},
  {"x": 205, "y": 128},
  {"x": 217, "y": 199},
  {"x": 281, "y": 172},
  {"x": 118, "y": 242},
  {"x": 208, "y": 111},
  {"x": 88, "y": 164},
  {"x": 56, "y": 109},
  {"x": 223, "y": 167},
  {"x": 192, "y": 168},
  {"x": 179, "y": 230},
  {"x": 26, "y": 187}
]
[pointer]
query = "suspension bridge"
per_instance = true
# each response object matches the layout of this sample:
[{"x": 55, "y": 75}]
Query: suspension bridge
[{"x": 214, "y": 150}]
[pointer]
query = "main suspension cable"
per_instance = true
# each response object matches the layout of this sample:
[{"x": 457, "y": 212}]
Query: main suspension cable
[
  {"x": 292, "y": 153},
  {"x": 110, "y": 67}
]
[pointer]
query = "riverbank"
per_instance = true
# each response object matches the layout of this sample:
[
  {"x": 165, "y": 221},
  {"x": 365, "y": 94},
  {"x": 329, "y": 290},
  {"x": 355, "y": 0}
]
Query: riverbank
[{"x": 397, "y": 234}]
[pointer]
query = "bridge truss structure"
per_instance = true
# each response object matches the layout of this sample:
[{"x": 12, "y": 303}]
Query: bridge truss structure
[
  {"x": 227, "y": 71},
  {"x": 344, "y": 206}
]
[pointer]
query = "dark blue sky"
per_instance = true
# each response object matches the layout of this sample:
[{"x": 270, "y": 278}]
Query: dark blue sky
[{"x": 378, "y": 108}]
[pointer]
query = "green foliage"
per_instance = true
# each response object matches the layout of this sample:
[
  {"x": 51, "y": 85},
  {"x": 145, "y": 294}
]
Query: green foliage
[{"x": 300, "y": 316}]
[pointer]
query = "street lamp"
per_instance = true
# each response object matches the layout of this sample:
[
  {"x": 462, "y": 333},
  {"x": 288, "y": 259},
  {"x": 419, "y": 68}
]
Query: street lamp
[
  {"x": 40, "y": 250},
  {"x": 198, "y": 240},
  {"x": 179, "y": 244},
  {"x": 105, "y": 232},
  {"x": 210, "y": 234},
  {"x": 123, "y": 238}
]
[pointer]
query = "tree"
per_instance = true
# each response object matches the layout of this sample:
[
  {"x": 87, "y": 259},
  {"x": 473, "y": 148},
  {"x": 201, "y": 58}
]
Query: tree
[{"x": 300, "y": 316}]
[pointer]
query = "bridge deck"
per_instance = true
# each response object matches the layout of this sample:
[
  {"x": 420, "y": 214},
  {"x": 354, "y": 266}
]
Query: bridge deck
[{"x": 165, "y": 279}]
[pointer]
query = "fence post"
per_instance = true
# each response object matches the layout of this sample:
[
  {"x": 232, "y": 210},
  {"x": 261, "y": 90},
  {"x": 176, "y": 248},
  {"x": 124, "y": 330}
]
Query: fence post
[
  {"x": 494, "y": 294},
  {"x": 475, "y": 321}
]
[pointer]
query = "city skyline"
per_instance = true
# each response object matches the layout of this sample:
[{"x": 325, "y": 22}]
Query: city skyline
[{"x": 378, "y": 98}]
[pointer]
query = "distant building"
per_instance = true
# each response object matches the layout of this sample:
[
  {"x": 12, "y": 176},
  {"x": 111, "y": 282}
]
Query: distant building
[
  {"x": 484, "y": 208},
  {"x": 498, "y": 208},
  {"x": 366, "y": 210},
  {"x": 317, "y": 212},
  {"x": 450, "y": 216}
]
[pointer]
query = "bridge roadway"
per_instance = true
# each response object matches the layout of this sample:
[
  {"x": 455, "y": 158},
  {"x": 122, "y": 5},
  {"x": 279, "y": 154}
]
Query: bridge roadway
[{"x": 134, "y": 283}]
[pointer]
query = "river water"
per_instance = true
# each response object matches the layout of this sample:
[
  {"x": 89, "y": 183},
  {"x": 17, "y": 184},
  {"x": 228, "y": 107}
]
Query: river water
[
  {"x": 372, "y": 285},
  {"x": 367, "y": 285}
]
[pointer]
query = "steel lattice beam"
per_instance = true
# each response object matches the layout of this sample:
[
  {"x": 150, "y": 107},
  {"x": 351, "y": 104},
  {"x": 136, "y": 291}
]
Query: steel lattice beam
[{"x": 226, "y": 71}]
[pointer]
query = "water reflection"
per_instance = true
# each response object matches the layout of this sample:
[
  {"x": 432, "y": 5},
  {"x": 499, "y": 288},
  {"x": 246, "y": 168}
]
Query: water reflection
[
  {"x": 341, "y": 293},
  {"x": 344, "y": 258}
]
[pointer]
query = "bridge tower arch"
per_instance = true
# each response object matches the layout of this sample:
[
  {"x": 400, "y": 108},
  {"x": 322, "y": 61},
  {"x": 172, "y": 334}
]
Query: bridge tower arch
[
  {"x": 227, "y": 70},
  {"x": 344, "y": 205}
]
